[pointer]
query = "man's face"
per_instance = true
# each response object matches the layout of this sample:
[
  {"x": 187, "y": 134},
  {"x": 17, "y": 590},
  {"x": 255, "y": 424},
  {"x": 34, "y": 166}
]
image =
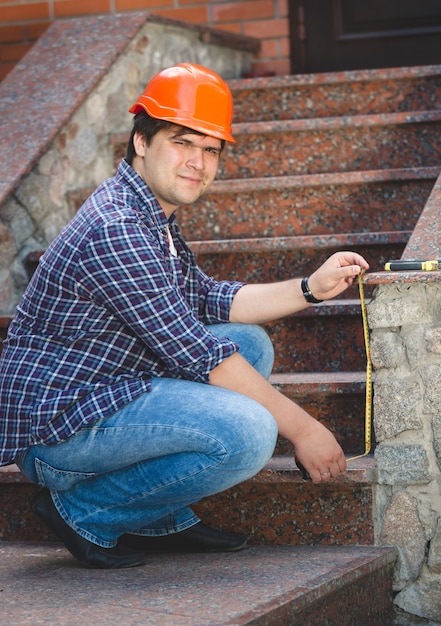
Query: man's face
[{"x": 177, "y": 167}]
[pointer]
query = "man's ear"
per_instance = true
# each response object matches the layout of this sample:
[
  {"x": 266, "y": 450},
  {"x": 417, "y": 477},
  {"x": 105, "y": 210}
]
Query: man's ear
[{"x": 139, "y": 143}]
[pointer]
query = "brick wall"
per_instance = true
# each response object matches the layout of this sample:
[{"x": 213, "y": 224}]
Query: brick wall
[{"x": 23, "y": 21}]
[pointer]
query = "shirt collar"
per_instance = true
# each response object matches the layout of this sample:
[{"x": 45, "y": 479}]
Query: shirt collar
[{"x": 149, "y": 202}]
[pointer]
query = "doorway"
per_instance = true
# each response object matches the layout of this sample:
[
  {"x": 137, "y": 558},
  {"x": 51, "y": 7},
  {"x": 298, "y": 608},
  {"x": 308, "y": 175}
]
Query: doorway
[{"x": 333, "y": 35}]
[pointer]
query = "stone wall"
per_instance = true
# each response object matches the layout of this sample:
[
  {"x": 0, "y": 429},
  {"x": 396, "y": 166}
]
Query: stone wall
[
  {"x": 73, "y": 90},
  {"x": 405, "y": 322}
]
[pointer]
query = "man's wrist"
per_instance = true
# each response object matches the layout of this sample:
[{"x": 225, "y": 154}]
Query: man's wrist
[{"x": 308, "y": 295}]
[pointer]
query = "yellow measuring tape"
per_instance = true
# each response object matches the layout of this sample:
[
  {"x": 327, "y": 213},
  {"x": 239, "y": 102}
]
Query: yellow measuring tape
[{"x": 368, "y": 405}]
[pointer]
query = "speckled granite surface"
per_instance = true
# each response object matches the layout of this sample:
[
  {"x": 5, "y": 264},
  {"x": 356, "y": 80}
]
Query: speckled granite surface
[
  {"x": 424, "y": 244},
  {"x": 42, "y": 584},
  {"x": 352, "y": 143},
  {"x": 79, "y": 53},
  {"x": 274, "y": 507},
  {"x": 51, "y": 102},
  {"x": 332, "y": 203},
  {"x": 338, "y": 93}
]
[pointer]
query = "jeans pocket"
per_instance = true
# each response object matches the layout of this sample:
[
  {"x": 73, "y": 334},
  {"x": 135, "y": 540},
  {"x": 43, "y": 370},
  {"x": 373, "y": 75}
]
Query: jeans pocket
[{"x": 56, "y": 479}]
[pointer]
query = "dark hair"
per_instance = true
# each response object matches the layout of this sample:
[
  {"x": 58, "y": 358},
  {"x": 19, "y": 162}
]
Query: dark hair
[{"x": 148, "y": 127}]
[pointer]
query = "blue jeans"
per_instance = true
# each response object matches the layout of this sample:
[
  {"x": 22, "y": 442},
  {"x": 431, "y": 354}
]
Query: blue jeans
[{"x": 139, "y": 470}]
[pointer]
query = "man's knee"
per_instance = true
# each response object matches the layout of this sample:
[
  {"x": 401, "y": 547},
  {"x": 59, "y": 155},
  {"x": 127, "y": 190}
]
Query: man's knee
[
  {"x": 252, "y": 434},
  {"x": 262, "y": 354},
  {"x": 254, "y": 344}
]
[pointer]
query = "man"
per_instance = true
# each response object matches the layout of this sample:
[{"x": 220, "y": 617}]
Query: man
[{"x": 131, "y": 384}]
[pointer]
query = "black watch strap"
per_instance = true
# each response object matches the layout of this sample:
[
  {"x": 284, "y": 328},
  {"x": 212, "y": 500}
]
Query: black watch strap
[{"x": 307, "y": 292}]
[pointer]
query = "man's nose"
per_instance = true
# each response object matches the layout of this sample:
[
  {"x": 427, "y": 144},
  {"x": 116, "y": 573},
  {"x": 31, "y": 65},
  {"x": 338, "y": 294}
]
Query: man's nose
[{"x": 196, "y": 158}]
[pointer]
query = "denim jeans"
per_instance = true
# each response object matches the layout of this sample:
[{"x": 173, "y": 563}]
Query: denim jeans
[{"x": 141, "y": 469}]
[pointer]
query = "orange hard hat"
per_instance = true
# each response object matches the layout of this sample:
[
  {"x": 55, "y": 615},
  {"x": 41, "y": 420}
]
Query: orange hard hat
[{"x": 192, "y": 96}]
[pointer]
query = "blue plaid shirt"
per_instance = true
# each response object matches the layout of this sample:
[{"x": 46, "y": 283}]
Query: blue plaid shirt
[{"x": 108, "y": 308}]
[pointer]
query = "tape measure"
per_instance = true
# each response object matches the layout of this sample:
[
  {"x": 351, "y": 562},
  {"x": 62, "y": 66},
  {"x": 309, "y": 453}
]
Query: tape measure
[{"x": 368, "y": 402}]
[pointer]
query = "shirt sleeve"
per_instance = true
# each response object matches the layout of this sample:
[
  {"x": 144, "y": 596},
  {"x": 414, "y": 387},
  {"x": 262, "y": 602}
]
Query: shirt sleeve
[
  {"x": 216, "y": 298},
  {"x": 125, "y": 269}
]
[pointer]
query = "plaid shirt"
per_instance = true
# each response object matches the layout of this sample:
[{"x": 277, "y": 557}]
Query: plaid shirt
[{"x": 108, "y": 308}]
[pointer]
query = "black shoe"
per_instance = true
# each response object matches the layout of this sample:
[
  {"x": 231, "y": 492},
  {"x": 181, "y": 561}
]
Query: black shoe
[
  {"x": 197, "y": 538},
  {"x": 86, "y": 552}
]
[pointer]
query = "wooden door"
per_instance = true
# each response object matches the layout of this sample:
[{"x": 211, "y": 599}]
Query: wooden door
[{"x": 332, "y": 35}]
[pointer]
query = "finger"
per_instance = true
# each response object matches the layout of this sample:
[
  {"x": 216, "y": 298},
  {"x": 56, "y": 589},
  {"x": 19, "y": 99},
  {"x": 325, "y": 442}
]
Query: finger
[
  {"x": 354, "y": 259},
  {"x": 342, "y": 464},
  {"x": 338, "y": 468},
  {"x": 349, "y": 271}
]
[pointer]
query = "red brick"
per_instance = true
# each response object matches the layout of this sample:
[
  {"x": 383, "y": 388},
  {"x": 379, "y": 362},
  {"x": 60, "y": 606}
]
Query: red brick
[
  {"x": 282, "y": 8},
  {"x": 13, "y": 52},
  {"x": 268, "y": 49},
  {"x": 22, "y": 33},
  {"x": 24, "y": 12},
  {"x": 36, "y": 29},
  {"x": 70, "y": 8},
  {"x": 263, "y": 29},
  {"x": 240, "y": 11},
  {"x": 139, "y": 5},
  {"x": 12, "y": 33},
  {"x": 5, "y": 68},
  {"x": 266, "y": 20},
  {"x": 231, "y": 28},
  {"x": 272, "y": 67},
  {"x": 192, "y": 15}
]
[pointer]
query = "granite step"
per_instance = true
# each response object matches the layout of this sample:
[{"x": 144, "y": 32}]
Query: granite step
[
  {"x": 276, "y": 507},
  {"x": 336, "y": 399},
  {"x": 320, "y": 145},
  {"x": 264, "y": 259},
  {"x": 263, "y": 586},
  {"x": 268, "y": 259},
  {"x": 337, "y": 94},
  {"x": 317, "y": 204},
  {"x": 300, "y": 147},
  {"x": 325, "y": 338}
]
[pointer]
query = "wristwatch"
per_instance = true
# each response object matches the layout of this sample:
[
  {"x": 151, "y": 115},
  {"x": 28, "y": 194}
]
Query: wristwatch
[{"x": 307, "y": 292}]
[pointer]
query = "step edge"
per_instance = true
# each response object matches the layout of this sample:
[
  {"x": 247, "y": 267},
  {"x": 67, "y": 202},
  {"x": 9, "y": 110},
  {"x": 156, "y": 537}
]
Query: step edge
[
  {"x": 337, "y": 78},
  {"x": 297, "y": 242},
  {"x": 277, "y": 244},
  {"x": 353, "y": 177},
  {"x": 321, "y": 380},
  {"x": 276, "y": 183},
  {"x": 336, "y": 123},
  {"x": 280, "y": 466},
  {"x": 371, "y": 560},
  {"x": 318, "y": 376}
]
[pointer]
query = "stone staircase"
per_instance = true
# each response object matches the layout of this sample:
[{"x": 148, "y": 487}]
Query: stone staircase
[{"x": 322, "y": 163}]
